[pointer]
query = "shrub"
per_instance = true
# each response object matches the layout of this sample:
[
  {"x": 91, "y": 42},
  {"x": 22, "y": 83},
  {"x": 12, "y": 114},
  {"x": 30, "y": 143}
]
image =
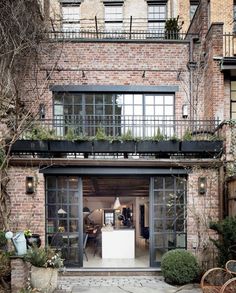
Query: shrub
[
  {"x": 179, "y": 267},
  {"x": 227, "y": 242}
]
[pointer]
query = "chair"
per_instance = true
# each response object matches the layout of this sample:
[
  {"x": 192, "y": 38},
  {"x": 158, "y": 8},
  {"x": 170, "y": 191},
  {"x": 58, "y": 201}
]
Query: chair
[
  {"x": 85, "y": 239},
  {"x": 219, "y": 280}
]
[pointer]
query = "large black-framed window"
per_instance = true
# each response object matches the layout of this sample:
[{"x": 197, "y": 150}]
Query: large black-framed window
[
  {"x": 140, "y": 114},
  {"x": 168, "y": 215},
  {"x": 63, "y": 217},
  {"x": 233, "y": 100}
]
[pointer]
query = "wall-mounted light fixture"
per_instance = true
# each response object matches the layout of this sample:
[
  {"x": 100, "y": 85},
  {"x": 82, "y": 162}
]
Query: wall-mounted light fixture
[
  {"x": 144, "y": 74},
  {"x": 202, "y": 185},
  {"x": 185, "y": 111},
  {"x": 83, "y": 74},
  {"x": 29, "y": 184}
]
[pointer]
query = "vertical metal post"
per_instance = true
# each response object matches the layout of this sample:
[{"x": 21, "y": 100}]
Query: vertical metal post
[
  {"x": 130, "y": 26},
  {"x": 96, "y": 26}
]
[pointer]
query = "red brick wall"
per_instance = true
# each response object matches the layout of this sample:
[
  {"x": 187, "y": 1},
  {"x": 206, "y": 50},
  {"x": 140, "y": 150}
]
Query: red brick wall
[
  {"x": 113, "y": 63},
  {"x": 19, "y": 274},
  {"x": 27, "y": 210},
  {"x": 201, "y": 209}
]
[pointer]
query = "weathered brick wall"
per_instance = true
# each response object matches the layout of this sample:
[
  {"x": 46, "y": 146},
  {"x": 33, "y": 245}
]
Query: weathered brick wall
[
  {"x": 27, "y": 210},
  {"x": 201, "y": 209},
  {"x": 215, "y": 102},
  {"x": 19, "y": 274},
  {"x": 108, "y": 63}
]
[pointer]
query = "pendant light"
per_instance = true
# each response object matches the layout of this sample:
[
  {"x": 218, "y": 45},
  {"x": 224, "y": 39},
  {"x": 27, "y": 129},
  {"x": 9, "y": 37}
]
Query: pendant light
[
  {"x": 116, "y": 204},
  {"x": 61, "y": 211}
]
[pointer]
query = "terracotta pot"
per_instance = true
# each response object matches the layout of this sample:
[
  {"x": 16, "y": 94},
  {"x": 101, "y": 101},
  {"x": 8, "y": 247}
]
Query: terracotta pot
[{"x": 44, "y": 279}]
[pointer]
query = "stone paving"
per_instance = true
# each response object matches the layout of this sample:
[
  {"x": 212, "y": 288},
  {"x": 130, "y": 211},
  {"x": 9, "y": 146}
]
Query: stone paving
[{"x": 132, "y": 284}]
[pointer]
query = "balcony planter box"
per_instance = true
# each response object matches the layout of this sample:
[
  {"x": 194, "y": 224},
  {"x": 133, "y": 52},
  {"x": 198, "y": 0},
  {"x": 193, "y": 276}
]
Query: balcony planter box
[
  {"x": 35, "y": 146},
  {"x": 65, "y": 146},
  {"x": 157, "y": 146},
  {"x": 201, "y": 146},
  {"x": 103, "y": 146}
]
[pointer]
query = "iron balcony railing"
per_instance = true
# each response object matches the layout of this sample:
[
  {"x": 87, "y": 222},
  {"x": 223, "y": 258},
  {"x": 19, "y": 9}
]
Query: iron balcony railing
[
  {"x": 125, "y": 29},
  {"x": 144, "y": 127}
]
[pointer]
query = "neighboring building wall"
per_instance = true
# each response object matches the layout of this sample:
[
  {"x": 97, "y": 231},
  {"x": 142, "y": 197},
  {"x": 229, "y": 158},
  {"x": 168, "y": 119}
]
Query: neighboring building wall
[
  {"x": 201, "y": 209},
  {"x": 222, "y": 11},
  {"x": 27, "y": 210}
]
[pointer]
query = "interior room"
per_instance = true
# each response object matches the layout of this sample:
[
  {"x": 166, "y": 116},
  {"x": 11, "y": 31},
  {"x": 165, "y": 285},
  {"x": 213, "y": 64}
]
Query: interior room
[{"x": 116, "y": 222}]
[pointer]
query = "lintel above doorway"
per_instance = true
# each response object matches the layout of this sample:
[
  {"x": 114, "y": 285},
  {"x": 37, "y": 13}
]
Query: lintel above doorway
[{"x": 111, "y": 171}]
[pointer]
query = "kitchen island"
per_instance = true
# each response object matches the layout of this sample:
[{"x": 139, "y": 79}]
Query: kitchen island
[{"x": 118, "y": 243}]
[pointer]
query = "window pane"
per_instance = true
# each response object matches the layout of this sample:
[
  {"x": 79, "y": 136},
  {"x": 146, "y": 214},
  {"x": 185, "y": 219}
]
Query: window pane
[
  {"x": 70, "y": 13},
  {"x": 233, "y": 96},
  {"x": 149, "y": 100}
]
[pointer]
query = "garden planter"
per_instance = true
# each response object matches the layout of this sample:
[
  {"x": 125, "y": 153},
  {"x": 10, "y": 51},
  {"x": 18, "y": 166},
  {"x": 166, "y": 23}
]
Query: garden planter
[
  {"x": 201, "y": 146},
  {"x": 44, "y": 279},
  {"x": 34, "y": 239},
  {"x": 64, "y": 146},
  {"x": 157, "y": 146},
  {"x": 37, "y": 146},
  {"x": 114, "y": 147}
]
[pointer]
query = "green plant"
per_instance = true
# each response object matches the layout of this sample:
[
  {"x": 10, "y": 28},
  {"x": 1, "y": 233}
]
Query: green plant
[
  {"x": 5, "y": 271},
  {"x": 174, "y": 137},
  {"x": 44, "y": 257},
  {"x": 37, "y": 256},
  {"x": 100, "y": 134},
  {"x": 172, "y": 28},
  {"x": 179, "y": 267},
  {"x": 127, "y": 136},
  {"x": 39, "y": 132},
  {"x": 27, "y": 233},
  {"x": 187, "y": 135},
  {"x": 227, "y": 231},
  {"x": 3, "y": 240},
  {"x": 158, "y": 136}
]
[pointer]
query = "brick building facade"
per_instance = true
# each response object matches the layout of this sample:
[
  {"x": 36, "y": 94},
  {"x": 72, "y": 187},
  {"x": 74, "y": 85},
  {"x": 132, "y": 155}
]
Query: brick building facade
[{"x": 138, "y": 83}]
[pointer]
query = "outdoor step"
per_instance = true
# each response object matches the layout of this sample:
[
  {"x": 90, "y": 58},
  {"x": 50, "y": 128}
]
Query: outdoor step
[{"x": 111, "y": 272}]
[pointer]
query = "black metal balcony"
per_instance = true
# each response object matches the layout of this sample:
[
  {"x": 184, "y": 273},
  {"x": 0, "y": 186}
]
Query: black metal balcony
[
  {"x": 127, "y": 29},
  {"x": 127, "y": 127},
  {"x": 126, "y": 136}
]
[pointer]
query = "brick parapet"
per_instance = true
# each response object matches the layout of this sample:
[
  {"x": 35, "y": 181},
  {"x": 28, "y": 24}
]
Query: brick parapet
[{"x": 19, "y": 274}]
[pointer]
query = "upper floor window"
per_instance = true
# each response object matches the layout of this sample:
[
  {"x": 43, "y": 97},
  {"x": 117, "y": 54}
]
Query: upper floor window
[
  {"x": 156, "y": 17},
  {"x": 193, "y": 8},
  {"x": 70, "y": 17},
  {"x": 142, "y": 114},
  {"x": 233, "y": 100},
  {"x": 113, "y": 17}
]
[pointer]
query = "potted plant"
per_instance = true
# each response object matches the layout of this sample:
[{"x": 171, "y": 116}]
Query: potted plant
[
  {"x": 32, "y": 238},
  {"x": 44, "y": 270}
]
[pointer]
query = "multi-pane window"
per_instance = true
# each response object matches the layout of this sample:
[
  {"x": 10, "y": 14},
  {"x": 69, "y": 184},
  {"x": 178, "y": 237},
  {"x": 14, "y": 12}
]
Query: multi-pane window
[
  {"x": 233, "y": 99},
  {"x": 70, "y": 17},
  {"x": 169, "y": 214},
  {"x": 113, "y": 17},
  {"x": 141, "y": 114},
  {"x": 156, "y": 18},
  {"x": 62, "y": 215},
  {"x": 193, "y": 8}
]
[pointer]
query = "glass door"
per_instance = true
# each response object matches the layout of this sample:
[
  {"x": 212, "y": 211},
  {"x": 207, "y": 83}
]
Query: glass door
[
  {"x": 64, "y": 227},
  {"x": 167, "y": 215}
]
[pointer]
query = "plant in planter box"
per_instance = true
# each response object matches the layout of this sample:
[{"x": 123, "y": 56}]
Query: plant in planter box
[{"x": 44, "y": 271}]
